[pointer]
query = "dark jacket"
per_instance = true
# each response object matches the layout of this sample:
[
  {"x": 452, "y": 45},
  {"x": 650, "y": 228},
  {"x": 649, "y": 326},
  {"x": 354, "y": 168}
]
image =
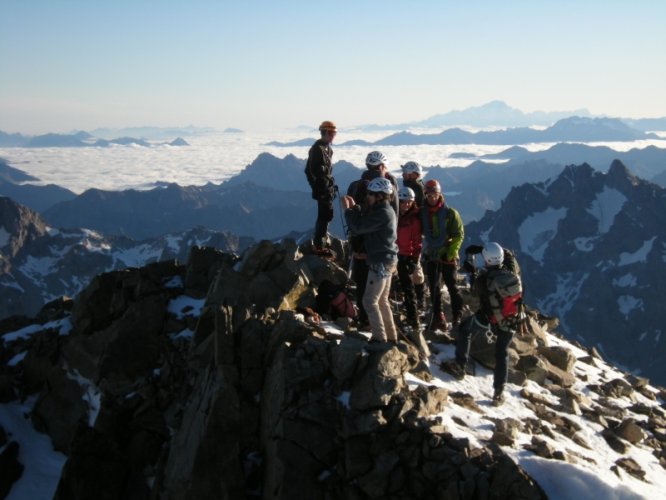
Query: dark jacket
[
  {"x": 377, "y": 226},
  {"x": 358, "y": 190},
  {"x": 319, "y": 170}
]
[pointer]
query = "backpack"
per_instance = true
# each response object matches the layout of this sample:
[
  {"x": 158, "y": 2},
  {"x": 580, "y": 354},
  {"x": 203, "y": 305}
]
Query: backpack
[
  {"x": 334, "y": 301},
  {"x": 505, "y": 294}
]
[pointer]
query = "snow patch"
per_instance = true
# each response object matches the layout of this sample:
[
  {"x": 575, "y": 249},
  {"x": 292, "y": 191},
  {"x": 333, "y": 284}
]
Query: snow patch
[
  {"x": 174, "y": 282},
  {"x": 64, "y": 326},
  {"x": 639, "y": 255},
  {"x": 92, "y": 395},
  {"x": 43, "y": 465},
  {"x": 606, "y": 206},
  {"x": 4, "y": 237},
  {"x": 628, "y": 280},
  {"x": 185, "y": 306},
  {"x": 627, "y": 303},
  {"x": 538, "y": 230}
]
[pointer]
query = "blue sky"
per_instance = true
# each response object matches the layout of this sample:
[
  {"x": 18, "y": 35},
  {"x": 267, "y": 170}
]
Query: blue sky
[{"x": 257, "y": 65}]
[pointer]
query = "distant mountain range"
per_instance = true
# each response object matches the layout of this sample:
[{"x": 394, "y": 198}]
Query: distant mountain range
[
  {"x": 591, "y": 249},
  {"x": 271, "y": 197},
  {"x": 572, "y": 129},
  {"x": 499, "y": 114},
  {"x": 39, "y": 263},
  {"x": 76, "y": 140}
]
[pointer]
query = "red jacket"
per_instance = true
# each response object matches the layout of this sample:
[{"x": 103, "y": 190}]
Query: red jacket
[{"x": 409, "y": 233}]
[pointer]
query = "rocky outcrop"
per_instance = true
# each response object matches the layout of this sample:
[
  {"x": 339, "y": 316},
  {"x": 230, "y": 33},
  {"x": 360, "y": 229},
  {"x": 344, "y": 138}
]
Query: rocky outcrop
[{"x": 204, "y": 380}]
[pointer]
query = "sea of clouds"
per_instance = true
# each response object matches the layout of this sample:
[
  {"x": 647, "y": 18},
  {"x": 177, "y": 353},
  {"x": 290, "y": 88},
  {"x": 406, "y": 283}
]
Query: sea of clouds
[{"x": 216, "y": 157}]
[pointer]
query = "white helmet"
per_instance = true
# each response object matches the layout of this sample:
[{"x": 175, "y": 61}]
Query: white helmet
[
  {"x": 411, "y": 167},
  {"x": 380, "y": 185},
  {"x": 406, "y": 193},
  {"x": 375, "y": 159},
  {"x": 493, "y": 254}
]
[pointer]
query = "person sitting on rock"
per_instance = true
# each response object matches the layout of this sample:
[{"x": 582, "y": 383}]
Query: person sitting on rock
[{"x": 499, "y": 290}]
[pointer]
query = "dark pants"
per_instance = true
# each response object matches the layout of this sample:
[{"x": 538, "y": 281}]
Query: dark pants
[
  {"x": 324, "y": 216},
  {"x": 408, "y": 291},
  {"x": 436, "y": 270},
  {"x": 360, "y": 277},
  {"x": 467, "y": 329}
]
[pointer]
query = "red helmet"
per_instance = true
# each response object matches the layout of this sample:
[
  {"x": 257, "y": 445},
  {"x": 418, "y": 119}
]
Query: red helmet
[{"x": 432, "y": 186}]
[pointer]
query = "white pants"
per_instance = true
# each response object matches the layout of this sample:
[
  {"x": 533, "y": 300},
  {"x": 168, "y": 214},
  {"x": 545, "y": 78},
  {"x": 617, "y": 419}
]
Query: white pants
[{"x": 377, "y": 306}]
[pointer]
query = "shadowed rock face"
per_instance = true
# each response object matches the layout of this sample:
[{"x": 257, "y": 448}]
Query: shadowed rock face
[
  {"x": 590, "y": 245},
  {"x": 233, "y": 401},
  {"x": 209, "y": 380}
]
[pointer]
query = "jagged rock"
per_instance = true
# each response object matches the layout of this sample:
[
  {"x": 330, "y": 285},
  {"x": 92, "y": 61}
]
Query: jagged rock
[
  {"x": 614, "y": 442},
  {"x": 636, "y": 381},
  {"x": 380, "y": 380},
  {"x": 630, "y": 431},
  {"x": 11, "y": 468},
  {"x": 560, "y": 357},
  {"x": 59, "y": 409},
  {"x": 466, "y": 401},
  {"x": 506, "y": 431},
  {"x": 630, "y": 466},
  {"x": 541, "y": 447},
  {"x": 116, "y": 355},
  {"x": 203, "y": 264},
  {"x": 539, "y": 369},
  {"x": 95, "y": 468}
]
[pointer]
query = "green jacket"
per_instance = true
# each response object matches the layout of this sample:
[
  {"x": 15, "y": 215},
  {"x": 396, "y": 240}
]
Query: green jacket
[{"x": 443, "y": 232}]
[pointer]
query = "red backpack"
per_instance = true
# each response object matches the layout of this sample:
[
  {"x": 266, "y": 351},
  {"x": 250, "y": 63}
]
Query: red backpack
[{"x": 334, "y": 301}]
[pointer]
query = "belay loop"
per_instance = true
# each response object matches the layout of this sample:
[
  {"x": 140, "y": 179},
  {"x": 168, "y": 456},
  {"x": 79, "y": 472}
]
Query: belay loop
[{"x": 490, "y": 336}]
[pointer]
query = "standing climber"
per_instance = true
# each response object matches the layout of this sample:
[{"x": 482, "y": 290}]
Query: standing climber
[
  {"x": 319, "y": 173},
  {"x": 409, "y": 253},
  {"x": 376, "y": 222},
  {"x": 443, "y": 231}
]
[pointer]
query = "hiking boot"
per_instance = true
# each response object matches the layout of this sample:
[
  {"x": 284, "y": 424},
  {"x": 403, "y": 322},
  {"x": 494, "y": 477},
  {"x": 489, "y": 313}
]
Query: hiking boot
[
  {"x": 439, "y": 322},
  {"x": 498, "y": 398},
  {"x": 454, "y": 368}
]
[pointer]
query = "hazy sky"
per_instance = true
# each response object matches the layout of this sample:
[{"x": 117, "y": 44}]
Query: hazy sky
[{"x": 257, "y": 65}]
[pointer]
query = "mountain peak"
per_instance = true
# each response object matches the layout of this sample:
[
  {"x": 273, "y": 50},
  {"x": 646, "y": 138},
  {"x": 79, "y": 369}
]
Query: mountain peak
[
  {"x": 18, "y": 224},
  {"x": 618, "y": 173}
]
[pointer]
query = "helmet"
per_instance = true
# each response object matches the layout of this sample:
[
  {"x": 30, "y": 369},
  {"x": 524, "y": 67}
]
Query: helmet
[
  {"x": 411, "y": 167},
  {"x": 406, "y": 193},
  {"x": 375, "y": 159},
  {"x": 493, "y": 254},
  {"x": 380, "y": 185},
  {"x": 432, "y": 186},
  {"x": 327, "y": 125}
]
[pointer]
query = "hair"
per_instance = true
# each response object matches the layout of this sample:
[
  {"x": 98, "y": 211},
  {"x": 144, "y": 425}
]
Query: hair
[{"x": 380, "y": 196}]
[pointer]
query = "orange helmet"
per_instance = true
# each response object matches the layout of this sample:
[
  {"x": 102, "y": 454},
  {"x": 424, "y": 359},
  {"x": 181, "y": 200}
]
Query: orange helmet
[
  {"x": 432, "y": 186},
  {"x": 327, "y": 125}
]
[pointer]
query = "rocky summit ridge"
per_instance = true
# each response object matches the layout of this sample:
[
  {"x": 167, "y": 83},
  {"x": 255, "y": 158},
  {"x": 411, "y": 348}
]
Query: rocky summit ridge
[{"x": 213, "y": 379}]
